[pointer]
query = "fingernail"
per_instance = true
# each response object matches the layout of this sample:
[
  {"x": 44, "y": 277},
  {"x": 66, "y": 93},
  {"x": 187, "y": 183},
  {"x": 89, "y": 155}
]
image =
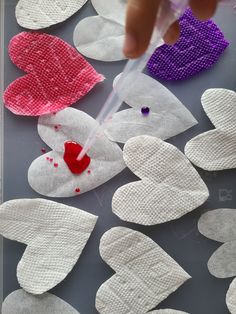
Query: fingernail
[{"x": 130, "y": 45}]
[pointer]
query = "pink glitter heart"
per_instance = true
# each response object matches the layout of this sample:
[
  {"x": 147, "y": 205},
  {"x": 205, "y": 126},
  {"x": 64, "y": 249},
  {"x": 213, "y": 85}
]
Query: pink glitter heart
[{"x": 57, "y": 76}]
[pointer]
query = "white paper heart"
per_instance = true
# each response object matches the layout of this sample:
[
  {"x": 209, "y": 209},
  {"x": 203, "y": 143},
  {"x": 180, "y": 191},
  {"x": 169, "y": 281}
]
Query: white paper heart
[
  {"x": 21, "y": 302},
  {"x": 41, "y": 14},
  {"x": 55, "y": 235},
  {"x": 102, "y": 37},
  {"x": 116, "y": 13},
  {"x": 170, "y": 186},
  {"x": 145, "y": 273},
  {"x": 99, "y": 38},
  {"x": 167, "y": 117},
  {"x": 72, "y": 125},
  {"x": 231, "y": 297},
  {"x": 222, "y": 263},
  {"x": 219, "y": 225},
  {"x": 216, "y": 149}
]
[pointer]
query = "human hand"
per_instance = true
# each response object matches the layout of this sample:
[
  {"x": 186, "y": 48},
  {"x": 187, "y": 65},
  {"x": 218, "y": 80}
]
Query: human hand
[{"x": 140, "y": 21}]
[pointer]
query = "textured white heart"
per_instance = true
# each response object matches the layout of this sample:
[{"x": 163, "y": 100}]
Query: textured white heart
[
  {"x": 170, "y": 187},
  {"x": 40, "y": 14},
  {"x": 167, "y": 116},
  {"x": 72, "y": 125},
  {"x": 55, "y": 235},
  {"x": 21, "y": 302},
  {"x": 216, "y": 149},
  {"x": 102, "y": 37},
  {"x": 219, "y": 225},
  {"x": 145, "y": 273},
  {"x": 231, "y": 297}
]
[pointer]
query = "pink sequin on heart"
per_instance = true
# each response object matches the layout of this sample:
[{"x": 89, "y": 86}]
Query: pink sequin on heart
[{"x": 57, "y": 75}]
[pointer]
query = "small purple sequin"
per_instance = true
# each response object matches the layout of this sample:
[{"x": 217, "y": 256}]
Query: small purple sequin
[
  {"x": 145, "y": 111},
  {"x": 199, "y": 47}
]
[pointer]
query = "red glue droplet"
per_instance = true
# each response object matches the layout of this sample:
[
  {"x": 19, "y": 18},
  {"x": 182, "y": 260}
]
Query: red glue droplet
[
  {"x": 43, "y": 150},
  {"x": 56, "y": 165},
  {"x": 77, "y": 190},
  {"x": 72, "y": 150},
  {"x": 57, "y": 127}
]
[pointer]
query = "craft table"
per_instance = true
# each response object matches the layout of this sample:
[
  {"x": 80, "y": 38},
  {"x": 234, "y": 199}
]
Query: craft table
[{"x": 203, "y": 294}]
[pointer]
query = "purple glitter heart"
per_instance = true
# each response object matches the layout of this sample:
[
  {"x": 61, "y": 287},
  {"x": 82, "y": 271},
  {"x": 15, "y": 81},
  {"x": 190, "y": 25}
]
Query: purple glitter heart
[{"x": 199, "y": 47}]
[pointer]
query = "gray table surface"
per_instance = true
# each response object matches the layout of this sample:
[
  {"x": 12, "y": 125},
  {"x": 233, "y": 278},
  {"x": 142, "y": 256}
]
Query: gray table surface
[{"x": 203, "y": 294}]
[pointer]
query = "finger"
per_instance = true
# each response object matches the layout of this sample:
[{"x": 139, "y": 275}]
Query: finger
[
  {"x": 172, "y": 34},
  {"x": 203, "y": 9},
  {"x": 140, "y": 21}
]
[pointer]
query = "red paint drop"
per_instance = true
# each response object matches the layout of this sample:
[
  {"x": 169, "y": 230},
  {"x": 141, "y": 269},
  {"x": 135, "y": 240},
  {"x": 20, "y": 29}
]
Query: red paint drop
[
  {"x": 72, "y": 150},
  {"x": 48, "y": 158},
  {"x": 89, "y": 171},
  {"x": 43, "y": 150},
  {"x": 56, "y": 165},
  {"x": 51, "y": 159},
  {"x": 57, "y": 127},
  {"x": 77, "y": 190}
]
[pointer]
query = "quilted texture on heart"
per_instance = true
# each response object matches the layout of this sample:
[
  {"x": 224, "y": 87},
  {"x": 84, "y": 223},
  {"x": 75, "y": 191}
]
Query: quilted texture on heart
[
  {"x": 42, "y": 13},
  {"x": 215, "y": 150},
  {"x": 199, "y": 47},
  {"x": 169, "y": 188},
  {"x": 57, "y": 75}
]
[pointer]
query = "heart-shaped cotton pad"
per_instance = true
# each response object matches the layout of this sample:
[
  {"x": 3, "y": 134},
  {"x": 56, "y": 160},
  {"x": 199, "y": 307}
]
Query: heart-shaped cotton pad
[
  {"x": 55, "y": 235},
  {"x": 21, "y": 302},
  {"x": 231, "y": 297},
  {"x": 200, "y": 46},
  {"x": 40, "y": 14},
  {"x": 102, "y": 37},
  {"x": 219, "y": 225},
  {"x": 50, "y": 175},
  {"x": 145, "y": 273},
  {"x": 170, "y": 187},
  {"x": 57, "y": 75},
  {"x": 216, "y": 149},
  {"x": 166, "y": 116}
]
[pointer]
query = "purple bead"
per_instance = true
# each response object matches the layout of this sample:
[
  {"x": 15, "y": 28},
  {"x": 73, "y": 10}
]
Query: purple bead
[
  {"x": 200, "y": 46},
  {"x": 145, "y": 111}
]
